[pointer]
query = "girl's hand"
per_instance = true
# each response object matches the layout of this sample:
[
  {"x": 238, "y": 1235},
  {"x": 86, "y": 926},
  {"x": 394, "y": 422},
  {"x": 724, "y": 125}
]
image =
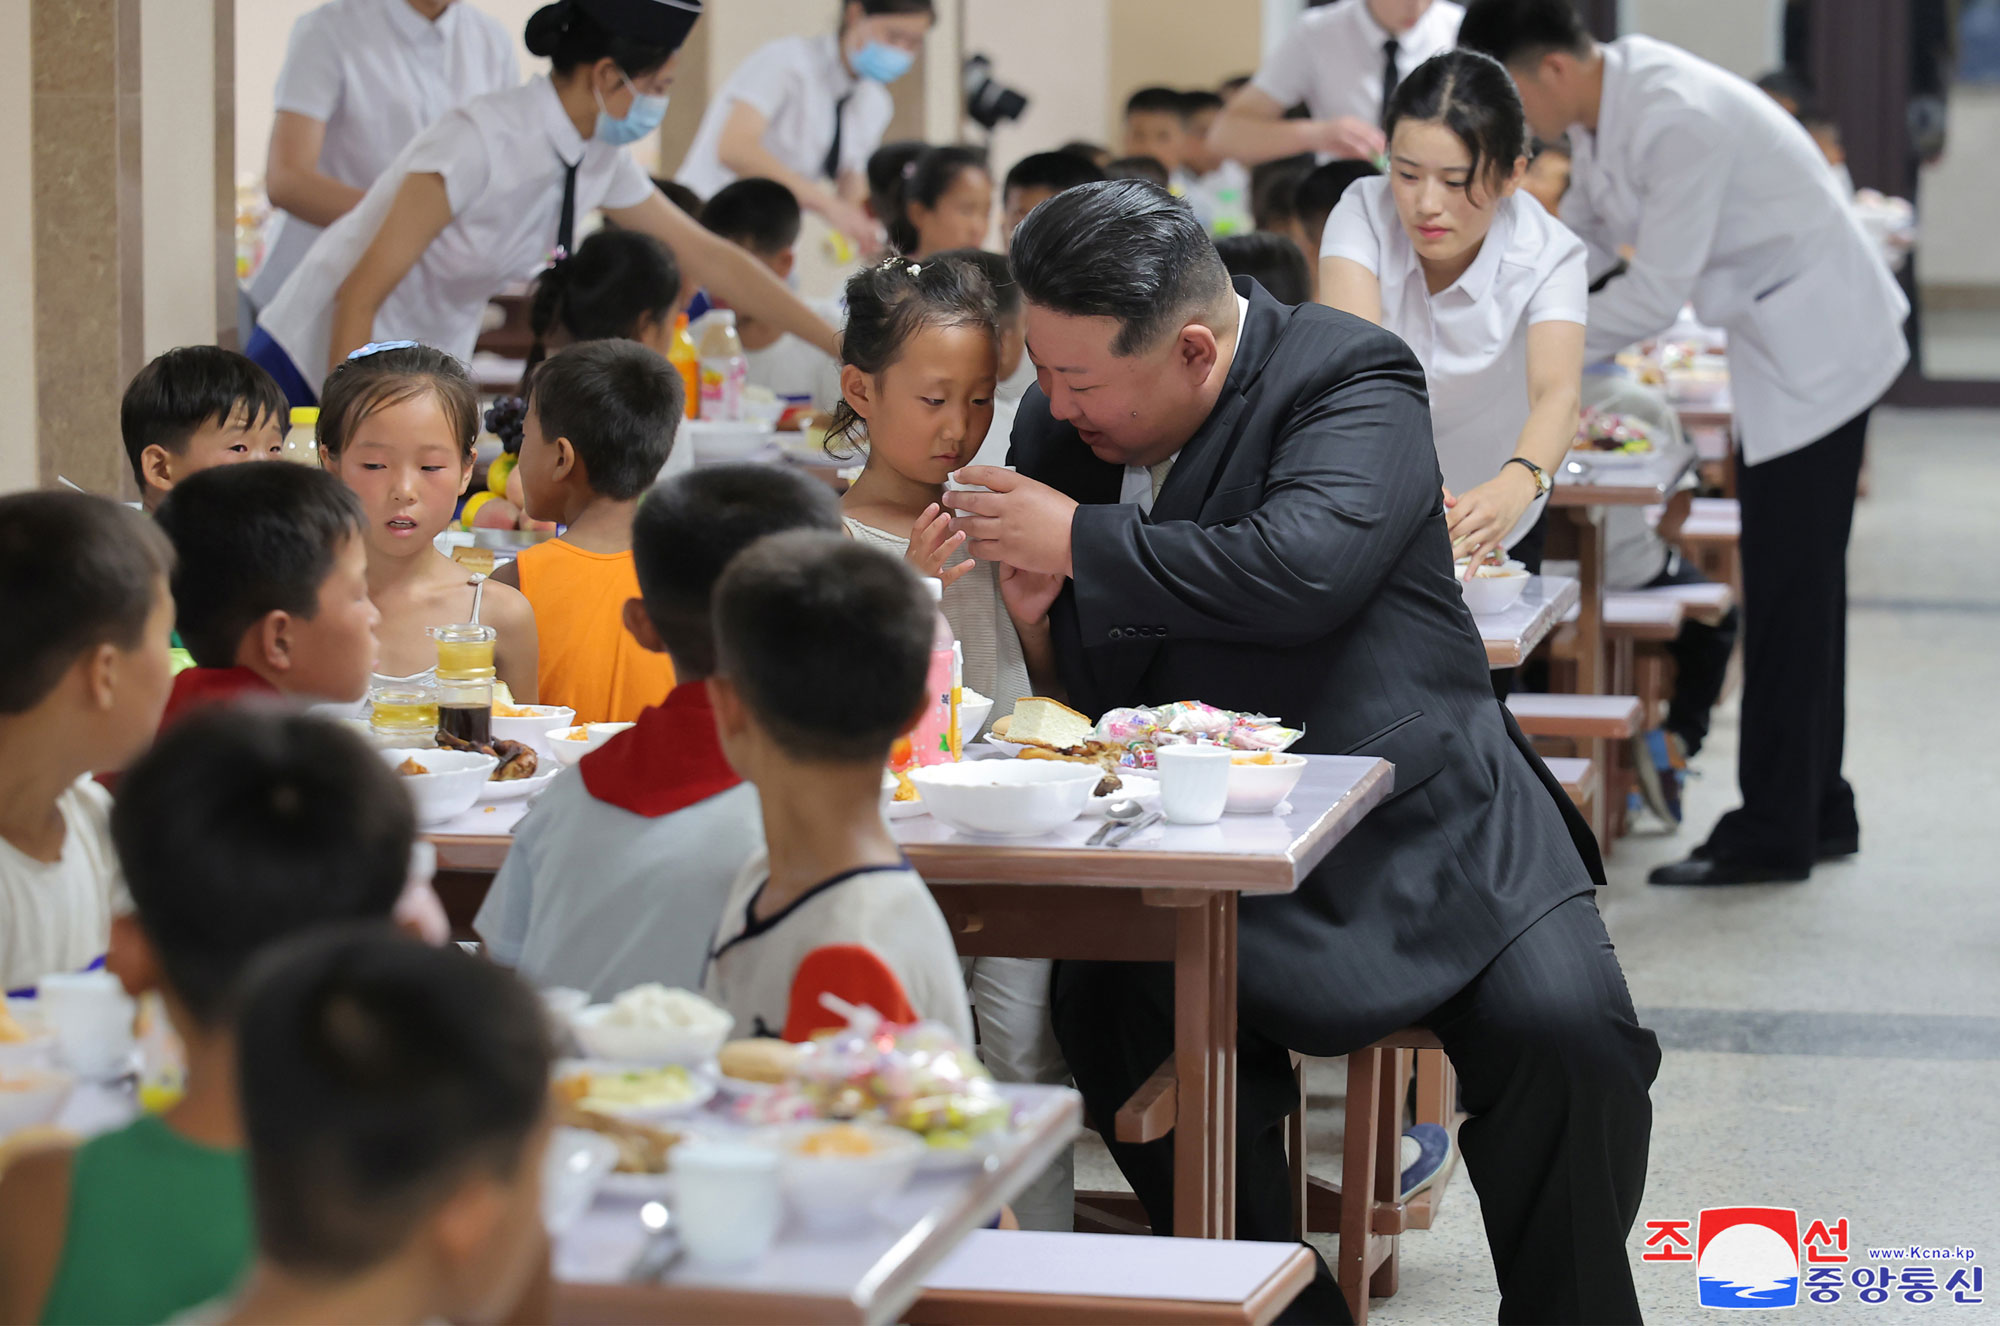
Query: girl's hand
[
  {"x": 932, "y": 543},
  {"x": 1480, "y": 518},
  {"x": 1028, "y": 594}
]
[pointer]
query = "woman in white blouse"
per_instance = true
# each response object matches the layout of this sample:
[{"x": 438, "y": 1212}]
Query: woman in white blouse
[
  {"x": 1485, "y": 286},
  {"x": 361, "y": 79},
  {"x": 485, "y": 197},
  {"x": 808, "y": 111}
]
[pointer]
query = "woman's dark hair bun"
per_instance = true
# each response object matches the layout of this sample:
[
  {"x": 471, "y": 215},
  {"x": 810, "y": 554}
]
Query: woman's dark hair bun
[{"x": 545, "y": 28}]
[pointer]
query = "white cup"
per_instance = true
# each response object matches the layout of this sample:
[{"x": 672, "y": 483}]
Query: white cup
[
  {"x": 729, "y": 1207},
  {"x": 91, "y": 1016},
  {"x": 1194, "y": 783}
]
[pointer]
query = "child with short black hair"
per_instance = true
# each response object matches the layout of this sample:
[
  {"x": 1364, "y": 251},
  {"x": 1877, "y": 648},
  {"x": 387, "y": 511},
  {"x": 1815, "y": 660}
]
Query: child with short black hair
[
  {"x": 1035, "y": 179},
  {"x": 398, "y": 425},
  {"x": 270, "y": 586},
  {"x": 84, "y": 580},
  {"x": 1156, "y": 127},
  {"x": 1148, "y": 168},
  {"x": 197, "y": 407},
  {"x": 661, "y": 791},
  {"x": 396, "y": 1104},
  {"x": 1216, "y": 187},
  {"x": 600, "y": 422},
  {"x": 1314, "y": 199},
  {"x": 944, "y": 200},
  {"x": 763, "y": 216},
  {"x": 235, "y": 830},
  {"x": 791, "y": 611},
  {"x": 1273, "y": 261}
]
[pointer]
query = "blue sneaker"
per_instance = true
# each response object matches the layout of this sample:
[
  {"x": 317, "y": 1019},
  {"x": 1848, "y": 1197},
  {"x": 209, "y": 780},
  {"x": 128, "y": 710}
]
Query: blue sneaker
[
  {"x": 1657, "y": 759},
  {"x": 1426, "y": 1147}
]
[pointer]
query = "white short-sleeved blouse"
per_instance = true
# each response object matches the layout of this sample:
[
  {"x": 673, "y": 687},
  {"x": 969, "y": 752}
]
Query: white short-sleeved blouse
[{"x": 794, "y": 83}]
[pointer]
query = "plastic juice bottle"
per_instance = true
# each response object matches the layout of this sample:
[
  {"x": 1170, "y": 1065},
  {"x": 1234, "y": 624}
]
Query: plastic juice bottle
[
  {"x": 465, "y": 681},
  {"x": 724, "y": 370},
  {"x": 935, "y": 740},
  {"x": 302, "y": 439},
  {"x": 684, "y": 357}
]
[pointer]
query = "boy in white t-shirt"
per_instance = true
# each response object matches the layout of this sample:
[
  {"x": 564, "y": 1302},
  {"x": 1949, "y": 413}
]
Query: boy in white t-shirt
[
  {"x": 763, "y": 216},
  {"x": 791, "y": 613},
  {"x": 617, "y": 877},
  {"x": 84, "y": 581}
]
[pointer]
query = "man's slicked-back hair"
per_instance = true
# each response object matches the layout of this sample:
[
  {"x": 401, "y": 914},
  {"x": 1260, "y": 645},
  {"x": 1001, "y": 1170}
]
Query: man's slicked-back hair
[
  {"x": 1123, "y": 249},
  {"x": 690, "y": 527},
  {"x": 1520, "y": 32}
]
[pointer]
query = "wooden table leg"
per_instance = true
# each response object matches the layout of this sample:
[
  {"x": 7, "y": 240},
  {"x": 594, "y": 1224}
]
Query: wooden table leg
[
  {"x": 1205, "y": 1065},
  {"x": 1590, "y": 661}
]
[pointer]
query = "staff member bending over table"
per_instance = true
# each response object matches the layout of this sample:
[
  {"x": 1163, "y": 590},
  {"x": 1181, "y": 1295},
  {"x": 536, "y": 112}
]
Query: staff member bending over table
[
  {"x": 482, "y": 199},
  {"x": 1726, "y": 201},
  {"x": 1224, "y": 498}
]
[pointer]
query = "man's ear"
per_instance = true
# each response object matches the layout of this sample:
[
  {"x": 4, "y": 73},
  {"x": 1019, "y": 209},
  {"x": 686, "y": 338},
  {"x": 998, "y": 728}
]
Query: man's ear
[
  {"x": 132, "y": 958},
  {"x": 857, "y": 388},
  {"x": 1197, "y": 351},
  {"x": 640, "y": 626},
  {"x": 156, "y": 463}
]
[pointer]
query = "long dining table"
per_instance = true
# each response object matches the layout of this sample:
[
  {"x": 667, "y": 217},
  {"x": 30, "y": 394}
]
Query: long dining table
[
  {"x": 1585, "y": 486},
  {"x": 1168, "y": 895}
]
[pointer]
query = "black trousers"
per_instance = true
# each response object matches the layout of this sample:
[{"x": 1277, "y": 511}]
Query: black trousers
[
  {"x": 1701, "y": 659},
  {"x": 1552, "y": 1064},
  {"x": 1797, "y": 512}
]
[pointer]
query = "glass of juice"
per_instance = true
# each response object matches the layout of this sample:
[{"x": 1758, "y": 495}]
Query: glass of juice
[{"x": 405, "y": 713}]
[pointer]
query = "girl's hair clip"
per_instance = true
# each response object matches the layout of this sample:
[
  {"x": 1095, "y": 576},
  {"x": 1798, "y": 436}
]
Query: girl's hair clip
[{"x": 377, "y": 347}]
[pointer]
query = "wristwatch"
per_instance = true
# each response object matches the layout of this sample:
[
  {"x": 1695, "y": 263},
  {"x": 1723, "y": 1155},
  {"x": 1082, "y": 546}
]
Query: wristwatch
[{"x": 1544, "y": 485}]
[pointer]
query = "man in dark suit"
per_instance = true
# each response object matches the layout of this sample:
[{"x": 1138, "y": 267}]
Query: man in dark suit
[{"x": 1223, "y": 498}]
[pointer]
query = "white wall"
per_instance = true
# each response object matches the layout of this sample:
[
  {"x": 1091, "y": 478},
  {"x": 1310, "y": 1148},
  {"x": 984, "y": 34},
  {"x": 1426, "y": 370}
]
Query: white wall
[
  {"x": 1956, "y": 197},
  {"x": 1063, "y": 79},
  {"x": 17, "y": 256},
  {"x": 177, "y": 172},
  {"x": 1743, "y": 36}
]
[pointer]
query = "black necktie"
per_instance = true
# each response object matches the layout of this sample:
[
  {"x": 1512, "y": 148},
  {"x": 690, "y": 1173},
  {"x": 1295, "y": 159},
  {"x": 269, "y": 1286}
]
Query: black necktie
[
  {"x": 832, "y": 167},
  {"x": 566, "y": 223},
  {"x": 1389, "y": 79}
]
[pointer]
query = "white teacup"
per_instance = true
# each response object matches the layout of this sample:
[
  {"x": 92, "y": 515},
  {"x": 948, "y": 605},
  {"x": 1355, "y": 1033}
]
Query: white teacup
[
  {"x": 91, "y": 1016},
  {"x": 728, "y": 1203},
  {"x": 1194, "y": 783}
]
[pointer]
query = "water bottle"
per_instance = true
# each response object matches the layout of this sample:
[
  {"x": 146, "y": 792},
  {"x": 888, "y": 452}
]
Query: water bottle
[{"x": 724, "y": 370}]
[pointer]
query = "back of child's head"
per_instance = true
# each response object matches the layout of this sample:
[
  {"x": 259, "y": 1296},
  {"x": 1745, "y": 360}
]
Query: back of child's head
[
  {"x": 886, "y": 165},
  {"x": 894, "y": 300},
  {"x": 690, "y": 527},
  {"x": 251, "y": 540},
  {"x": 680, "y": 195},
  {"x": 246, "y": 825},
  {"x": 795, "y": 609},
  {"x": 1137, "y": 168},
  {"x": 757, "y": 214},
  {"x": 1273, "y": 261},
  {"x": 76, "y": 572},
  {"x": 1054, "y": 171},
  {"x": 1320, "y": 190},
  {"x": 1097, "y": 154},
  {"x": 379, "y": 1076},
  {"x": 1155, "y": 101},
  {"x": 372, "y": 379},
  {"x": 1274, "y": 192},
  {"x": 172, "y": 397},
  {"x": 615, "y": 283},
  {"x": 925, "y": 179},
  {"x": 618, "y": 403}
]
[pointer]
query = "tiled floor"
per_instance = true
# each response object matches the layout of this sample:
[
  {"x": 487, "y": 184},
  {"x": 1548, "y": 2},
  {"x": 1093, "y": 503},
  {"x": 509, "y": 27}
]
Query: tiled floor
[{"x": 1832, "y": 1046}]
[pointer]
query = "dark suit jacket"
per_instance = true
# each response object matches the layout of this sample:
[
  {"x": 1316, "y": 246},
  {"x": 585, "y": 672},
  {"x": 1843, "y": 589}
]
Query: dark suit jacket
[{"x": 1296, "y": 563}]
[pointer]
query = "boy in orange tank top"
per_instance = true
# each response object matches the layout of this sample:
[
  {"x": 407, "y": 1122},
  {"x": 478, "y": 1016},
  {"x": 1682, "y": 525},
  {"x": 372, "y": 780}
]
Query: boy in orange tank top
[{"x": 600, "y": 422}]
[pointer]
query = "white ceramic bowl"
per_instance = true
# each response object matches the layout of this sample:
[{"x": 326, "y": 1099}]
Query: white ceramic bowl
[
  {"x": 973, "y": 710},
  {"x": 454, "y": 782},
  {"x": 829, "y": 1192},
  {"x": 568, "y": 752},
  {"x": 692, "y": 1045},
  {"x": 714, "y": 442},
  {"x": 38, "y": 1050},
  {"x": 1494, "y": 589},
  {"x": 1256, "y": 789},
  {"x": 535, "y": 728},
  {"x": 32, "y": 1096},
  {"x": 1006, "y": 798}
]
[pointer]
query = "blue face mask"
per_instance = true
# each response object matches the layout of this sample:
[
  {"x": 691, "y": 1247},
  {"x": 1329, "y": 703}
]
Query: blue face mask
[
  {"x": 642, "y": 119},
  {"x": 882, "y": 62}
]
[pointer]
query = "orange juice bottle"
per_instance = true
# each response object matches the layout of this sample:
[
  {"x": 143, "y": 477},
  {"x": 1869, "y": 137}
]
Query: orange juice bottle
[{"x": 682, "y": 354}]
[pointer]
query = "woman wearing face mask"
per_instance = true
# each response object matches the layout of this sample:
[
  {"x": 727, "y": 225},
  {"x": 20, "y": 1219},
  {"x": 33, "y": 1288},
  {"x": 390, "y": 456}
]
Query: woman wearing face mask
[
  {"x": 483, "y": 198},
  {"x": 808, "y": 111},
  {"x": 1489, "y": 290}
]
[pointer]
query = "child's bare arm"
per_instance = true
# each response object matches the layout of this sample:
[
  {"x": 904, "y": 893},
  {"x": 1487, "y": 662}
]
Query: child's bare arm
[
  {"x": 517, "y": 653},
  {"x": 34, "y": 1213}
]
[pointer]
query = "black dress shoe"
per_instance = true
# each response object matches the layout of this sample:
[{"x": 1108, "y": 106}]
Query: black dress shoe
[
  {"x": 1829, "y": 849},
  {"x": 1708, "y": 870}
]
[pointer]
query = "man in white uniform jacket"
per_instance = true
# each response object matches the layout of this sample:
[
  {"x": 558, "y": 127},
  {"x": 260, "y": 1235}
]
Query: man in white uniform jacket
[{"x": 1726, "y": 202}]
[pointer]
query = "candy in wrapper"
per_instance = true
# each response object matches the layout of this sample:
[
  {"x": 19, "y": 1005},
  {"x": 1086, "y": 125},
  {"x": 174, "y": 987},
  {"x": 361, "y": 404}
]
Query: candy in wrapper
[
  {"x": 1128, "y": 727},
  {"x": 916, "y": 1077},
  {"x": 1190, "y": 722}
]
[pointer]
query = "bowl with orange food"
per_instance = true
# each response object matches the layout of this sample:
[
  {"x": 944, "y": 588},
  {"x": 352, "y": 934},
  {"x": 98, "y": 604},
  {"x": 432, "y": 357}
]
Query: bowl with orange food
[
  {"x": 1259, "y": 781},
  {"x": 570, "y": 744}
]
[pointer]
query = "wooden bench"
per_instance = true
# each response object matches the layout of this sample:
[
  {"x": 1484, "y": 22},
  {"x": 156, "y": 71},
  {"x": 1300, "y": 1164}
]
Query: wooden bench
[
  {"x": 1708, "y": 602},
  {"x": 1022, "y": 1276},
  {"x": 1599, "y": 728},
  {"x": 1577, "y": 779},
  {"x": 1711, "y": 537}
]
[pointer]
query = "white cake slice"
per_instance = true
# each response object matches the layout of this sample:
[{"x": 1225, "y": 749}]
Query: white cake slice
[{"x": 1049, "y": 723}]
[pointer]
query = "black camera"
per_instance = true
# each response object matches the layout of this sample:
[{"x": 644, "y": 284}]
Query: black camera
[{"x": 989, "y": 103}]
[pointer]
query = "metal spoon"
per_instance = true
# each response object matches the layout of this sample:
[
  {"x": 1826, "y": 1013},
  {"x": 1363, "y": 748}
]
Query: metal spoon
[
  {"x": 1127, "y": 832},
  {"x": 662, "y": 1250},
  {"x": 1120, "y": 812}
]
